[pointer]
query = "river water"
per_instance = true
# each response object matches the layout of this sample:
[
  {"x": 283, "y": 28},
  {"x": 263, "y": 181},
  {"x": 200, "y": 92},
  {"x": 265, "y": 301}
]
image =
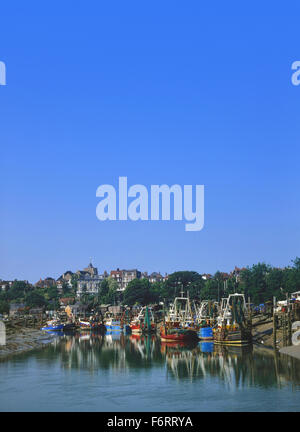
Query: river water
[{"x": 90, "y": 372}]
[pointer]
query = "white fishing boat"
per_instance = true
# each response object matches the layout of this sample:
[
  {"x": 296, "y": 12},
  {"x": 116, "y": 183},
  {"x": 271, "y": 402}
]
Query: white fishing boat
[
  {"x": 233, "y": 325},
  {"x": 144, "y": 322}
]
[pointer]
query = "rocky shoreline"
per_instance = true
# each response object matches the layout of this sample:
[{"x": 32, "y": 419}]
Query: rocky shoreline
[{"x": 20, "y": 340}]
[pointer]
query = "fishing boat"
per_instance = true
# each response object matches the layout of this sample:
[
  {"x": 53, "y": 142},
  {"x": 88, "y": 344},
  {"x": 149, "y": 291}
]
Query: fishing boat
[
  {"x": 179, "y": 324},
  {"x": 233, "y": 323},
  {"x": 115, "y": 323},
  {"x": 53, "y": 325},
  {"x": 144, "y": 322},
  {"x": 176, "y": 334},
  {"x": 180, "y": 313},
  {"x": 205, "y": 317},
  {"x": 69, "y": 326},
  {"x": 90, "y": 324}
]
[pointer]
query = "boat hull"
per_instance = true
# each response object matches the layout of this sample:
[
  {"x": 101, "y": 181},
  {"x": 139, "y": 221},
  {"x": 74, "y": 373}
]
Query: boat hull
[
  {"x": 206, "y": 333},
  {"x": 178, "y": 336},
  {"x": 58, "y": 327},
  {"x": 232, "y": 337},
  {"x": 173, "y": 338},
  {"x": 85, "y": 325},
  {"x": 137, "y": 328}
]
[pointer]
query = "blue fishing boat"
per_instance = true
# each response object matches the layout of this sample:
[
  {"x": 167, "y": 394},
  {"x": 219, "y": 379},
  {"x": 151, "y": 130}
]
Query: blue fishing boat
[
  {"x": 206, "y": 333},
  {"x": 53, "y": 325},
  {"x": 113, "y": 325}
]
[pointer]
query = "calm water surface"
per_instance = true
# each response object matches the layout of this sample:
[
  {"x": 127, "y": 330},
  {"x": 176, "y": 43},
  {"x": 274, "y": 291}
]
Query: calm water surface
[{"x": 137, "y": 373}]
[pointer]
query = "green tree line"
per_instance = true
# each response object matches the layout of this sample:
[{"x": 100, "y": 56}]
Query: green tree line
[{"x": 260, "y": 282}]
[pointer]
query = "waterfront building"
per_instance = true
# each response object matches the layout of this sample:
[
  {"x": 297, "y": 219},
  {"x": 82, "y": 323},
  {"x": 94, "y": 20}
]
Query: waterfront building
[{"x": 123, "y": 277}]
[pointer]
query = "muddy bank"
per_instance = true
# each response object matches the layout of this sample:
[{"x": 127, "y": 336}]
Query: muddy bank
[
  {"x": 262, "y": 332},
  {"x": 21, "y": 340}
]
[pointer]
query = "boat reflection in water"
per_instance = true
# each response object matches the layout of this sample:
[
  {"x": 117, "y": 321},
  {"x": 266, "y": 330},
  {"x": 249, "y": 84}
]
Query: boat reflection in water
[
  {"x": 246, "y": 366},
  {"x": 236, "y": 366},
  {"x": 114, "y": 350}
]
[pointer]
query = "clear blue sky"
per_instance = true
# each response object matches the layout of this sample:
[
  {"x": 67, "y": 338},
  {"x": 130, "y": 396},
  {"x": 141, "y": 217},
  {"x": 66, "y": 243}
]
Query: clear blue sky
[{"x": 161, "y": 92}]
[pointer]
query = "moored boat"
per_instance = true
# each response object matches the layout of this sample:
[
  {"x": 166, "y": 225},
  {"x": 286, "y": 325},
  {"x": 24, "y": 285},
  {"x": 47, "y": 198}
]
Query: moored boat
[
  {"x": 91, "y": 324},
  {"x": 69, "y": 326},
  {"x": 234, "y": 324},
  {"x": 179, "y": 325},
  {"x": 176, "y": 334},
  {"x": 232, "y": 336},
  {"x": 144, "y": 322},
  {"x": 53, "y": 325},
  {"x": 113, "y": 325},
  {"x": 206, "y": 333}
]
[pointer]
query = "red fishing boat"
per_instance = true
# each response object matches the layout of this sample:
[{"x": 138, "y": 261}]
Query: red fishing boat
[
  {"x": 176, "y": 334},
  {"x": 178, "y": 326},
  {"x": 144, "y": 322}
]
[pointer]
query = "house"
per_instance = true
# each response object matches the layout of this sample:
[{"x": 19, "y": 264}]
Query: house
[
  {"x": 155, "y": 277},
  {"x": 117, "y": 275},
  {"x": 128, "y": 276},
  {"x": 66, "y": 277},
  {"x": 5, "y": 285},
  {"x": 36, "y": 311},
  {"x": 206, "y": 276},
  {"x": 88, "y": 280},
  {"x": 165, "y": 278},
  {"x": 236, "y": 273},
  {"x": 116, "y": 309},
  {"x": 66, "y": 301},
  {"x": 16, "y": 309},
  {"x": 225, "y": 276},
  {"x": 123, "y": 277},
  {"x": 93, "y": 271},
  {"x": 78, "y": 308},
  {"x": 45, "y": 283}
]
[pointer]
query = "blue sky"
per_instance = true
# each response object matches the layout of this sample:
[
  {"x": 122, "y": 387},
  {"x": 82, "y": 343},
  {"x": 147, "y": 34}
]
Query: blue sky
[{"x": 160, "y": 92}]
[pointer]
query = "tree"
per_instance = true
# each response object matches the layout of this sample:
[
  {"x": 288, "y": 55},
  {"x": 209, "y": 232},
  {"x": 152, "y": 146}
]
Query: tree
[
  {"x": 103, "y": 291},
  {"x": 210, "y": 290},
  {"x": 52, "y": 293},
  {"x": 66, "y": 289},
  {"x": 18, "y": 290},
  {"x": 74, "y": 282},
  {"x": 274, "y": 284},
  {"x": 183, "y": 280},
  {"x": 139, "y": 291},
  {"x": 4, "y": 307},
  {"x": 158, "y": 290},
  {"x": 34, "y": 299},
  {"x": 112, "y": 295}
]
